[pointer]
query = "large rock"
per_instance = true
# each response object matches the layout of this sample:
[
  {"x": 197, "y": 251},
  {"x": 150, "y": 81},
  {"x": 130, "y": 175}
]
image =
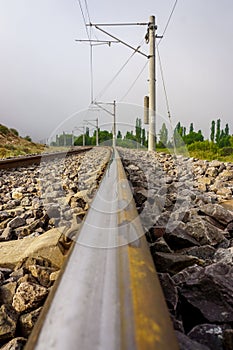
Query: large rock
[
  {"x": 173, "y": 263},
  {"x": 8, "y": 321},
  {"x": 186, "y": 343},
  {"x": 204, "y": 232},
  {"x": 17, "y": 222},
  {"x": 210, "y": 290},
  {"x": 27, "y": 321},
  {"x": 46, "y": 246},
  {"x": 28, "y": 296},
  {"x": 7, "y": 292},
  {"x": 178, "y": 239},
  {"x": 217, "y": 212},
  {"x": 15, "y": 344},
  {"x": 205, "y": 252},
  {"x": 210, "y": 335}
]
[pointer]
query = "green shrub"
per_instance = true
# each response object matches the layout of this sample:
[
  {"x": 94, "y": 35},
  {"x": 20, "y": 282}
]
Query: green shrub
[
  {"x": 4, "y": 130},
  {"x": 226, "y": 151},
  {"x": 14, "y": 131},
  {"x": 10, "y": 147}
]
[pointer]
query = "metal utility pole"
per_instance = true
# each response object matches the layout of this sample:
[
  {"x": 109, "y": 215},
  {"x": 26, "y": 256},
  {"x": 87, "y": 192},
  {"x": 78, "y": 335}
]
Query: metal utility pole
[
  {"x": 152, "y": 79},
  {"x": 114, "y": 125}
]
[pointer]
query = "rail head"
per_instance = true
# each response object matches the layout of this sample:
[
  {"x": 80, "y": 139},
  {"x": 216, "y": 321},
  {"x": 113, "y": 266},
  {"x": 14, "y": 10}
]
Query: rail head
[{"x": 109, "y": 295}]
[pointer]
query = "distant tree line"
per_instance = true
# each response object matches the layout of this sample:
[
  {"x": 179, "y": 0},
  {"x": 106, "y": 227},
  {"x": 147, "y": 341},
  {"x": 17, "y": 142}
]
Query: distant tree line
[{"x": 219, "y": 137}]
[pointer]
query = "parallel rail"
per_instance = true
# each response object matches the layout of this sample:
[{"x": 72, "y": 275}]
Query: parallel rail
[
  {"x": 36, "y": 159},
  {"x": 108, "y": 295}
]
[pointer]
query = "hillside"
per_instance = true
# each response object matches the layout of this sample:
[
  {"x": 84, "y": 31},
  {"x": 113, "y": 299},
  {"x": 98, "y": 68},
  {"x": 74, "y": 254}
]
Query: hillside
[{"x": 11, "y": 144}]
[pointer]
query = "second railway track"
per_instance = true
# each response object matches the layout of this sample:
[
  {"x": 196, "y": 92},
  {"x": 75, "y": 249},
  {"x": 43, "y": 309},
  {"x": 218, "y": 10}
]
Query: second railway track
[{"x": 108, "y": 295}]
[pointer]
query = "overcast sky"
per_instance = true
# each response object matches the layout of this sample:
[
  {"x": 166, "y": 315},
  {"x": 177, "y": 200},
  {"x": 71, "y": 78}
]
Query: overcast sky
[{"x": 45, "y": 73}]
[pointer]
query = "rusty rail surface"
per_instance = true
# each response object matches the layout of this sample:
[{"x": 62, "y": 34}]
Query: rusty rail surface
[
  {"x": 22, "y": 161},
  {"x": 108, "y": 295}
]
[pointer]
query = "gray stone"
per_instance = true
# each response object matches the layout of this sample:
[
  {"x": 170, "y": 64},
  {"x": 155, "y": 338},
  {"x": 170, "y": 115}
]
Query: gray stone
[
  {"x": 178, "y": 239},
  {"x": 28, "y": 296},
  {"x": 217, "y": 212},
  {"x": 210, "y": 290},
  {"x": 210, "y": 335},
  {"x": 204, "y": 232},
  {"x": 160, "y": 246},
  {"x": 185, "y": 343},
  {"x": 16, "y": 222},
  {"x": 173, "y": 263},
  {"x": 205, "y": 252},
  {"x": 224, "y": 256}
]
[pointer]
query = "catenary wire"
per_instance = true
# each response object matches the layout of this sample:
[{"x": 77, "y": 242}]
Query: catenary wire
[
  {"x": 168, "y": 21},
  {"x": 91, "y": 46},
  {"x": 103, "y": 91},
  {"x": 132, "y": 85},
  {"x": 163, "y": 82}
]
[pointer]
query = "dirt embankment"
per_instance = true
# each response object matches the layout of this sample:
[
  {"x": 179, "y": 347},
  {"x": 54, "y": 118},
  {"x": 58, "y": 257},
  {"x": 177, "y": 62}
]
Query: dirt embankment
[{"x": 11, "y": 144}]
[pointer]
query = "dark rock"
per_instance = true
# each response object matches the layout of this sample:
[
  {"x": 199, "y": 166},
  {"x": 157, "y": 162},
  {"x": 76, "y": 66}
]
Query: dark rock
[
  {"x": 229, "y": 229},
  {"x": 204, "y": 232},
  {"x": 178, "y": 239},
  {"x": 27, "y": 321},
  {"x": 177, "y": 324},
  {"x": 210, "y": 290},
  {"x": 186, "y": 343},
  {"x": 228, "y": 339},
  {"x": 15, "y": 344},
  {"x": 169, "y": 290},
  {"x": 173, "y": 263},
  {"x": 224, "y": 256},
  {"x": 53, "y": 212},
  {"x": 17, "y": 222},
  {"x": 160, "y": 246},
  {"x": 205, "y": 252},
  {"x": 8, "y": 320},
  {"x": 217, "y": 212},
  {"x": 210, "y": 335},
  {"x": 184, "y": 275},
  {"x": 7, "y": 292}
]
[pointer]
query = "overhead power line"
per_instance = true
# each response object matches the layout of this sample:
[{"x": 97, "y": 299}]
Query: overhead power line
[
  {"x": 164, "y": 85},
  {"x": 168, "y": 21},
  {"x": 132, "y": 85}
]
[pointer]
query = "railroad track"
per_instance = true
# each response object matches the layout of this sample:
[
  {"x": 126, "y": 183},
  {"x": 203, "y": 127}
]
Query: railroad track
[
  {"x": 108, "y": 295},
  {"x": 36, "y": 159}
]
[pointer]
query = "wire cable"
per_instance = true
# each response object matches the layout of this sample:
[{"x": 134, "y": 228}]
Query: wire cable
[
  {"x": 168, "y": 21},
  {"x": 120, "y": 70},
  {"x": 132, "y": 85},
  {"x": 91, "y": 46},
  {"x": 84, "y": 20},
  {"x": 164, "y": 86},
  {"x": 114, "y": 77}
]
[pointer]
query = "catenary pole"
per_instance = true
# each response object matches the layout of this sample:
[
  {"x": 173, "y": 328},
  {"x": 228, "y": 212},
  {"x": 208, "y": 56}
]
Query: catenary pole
[{"x": 152, "y": 80}]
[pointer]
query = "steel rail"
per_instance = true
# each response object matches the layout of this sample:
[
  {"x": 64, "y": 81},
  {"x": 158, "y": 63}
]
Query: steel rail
[
  {"x": 36, "y": 159},
  {"x": 108, "y": 295}
]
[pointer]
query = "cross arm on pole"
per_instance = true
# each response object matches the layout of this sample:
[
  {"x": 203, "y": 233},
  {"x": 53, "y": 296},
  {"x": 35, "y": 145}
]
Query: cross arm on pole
[{"x": 120, "y": 41}]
